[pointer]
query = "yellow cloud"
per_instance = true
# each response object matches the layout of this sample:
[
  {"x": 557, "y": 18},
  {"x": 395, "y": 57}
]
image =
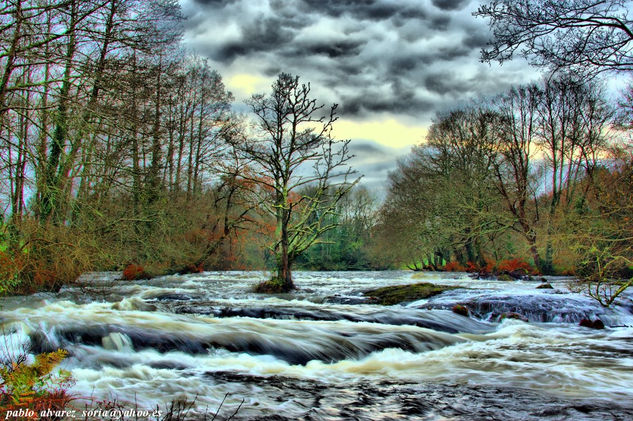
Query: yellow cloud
[
  {"x": 389, "y": 132},
  {"x": 386, "y": 131},
  {"x": 244, "y": 84}
]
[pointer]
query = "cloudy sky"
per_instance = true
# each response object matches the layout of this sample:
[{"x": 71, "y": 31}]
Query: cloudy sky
[{"x": 389, "y": 64}]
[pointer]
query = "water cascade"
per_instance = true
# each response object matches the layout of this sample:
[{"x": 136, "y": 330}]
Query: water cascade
[{"x": 326, "y": 352}]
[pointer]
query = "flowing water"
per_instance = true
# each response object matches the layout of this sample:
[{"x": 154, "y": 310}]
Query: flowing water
[{"x": 325, "y": 352}]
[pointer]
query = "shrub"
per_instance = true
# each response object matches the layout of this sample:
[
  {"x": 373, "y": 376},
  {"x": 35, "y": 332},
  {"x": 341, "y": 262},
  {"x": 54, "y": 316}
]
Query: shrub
[
  {"x": 43, "y": 257},
  {"x": 132, "y": 272},
  {"x": 453, "y": 267},
  {"x": 471, "y": 267},
  {"x": 272, "y": 286},
  {"x": 10, "y": 271},
  {"x": 460, "y": 309},
  {"x": 193, "y": 268},
  {"x": 514, "y": 265},
  {"x": 34, "y": 386},
  {"x": 487, "y": 268}
]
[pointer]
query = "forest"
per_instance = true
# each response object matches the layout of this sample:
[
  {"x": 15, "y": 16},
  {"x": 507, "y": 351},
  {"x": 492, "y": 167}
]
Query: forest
[{"x": 120, "y": 150}]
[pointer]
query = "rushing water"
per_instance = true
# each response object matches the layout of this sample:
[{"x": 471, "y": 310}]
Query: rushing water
[{"x": 324, "y": 352}]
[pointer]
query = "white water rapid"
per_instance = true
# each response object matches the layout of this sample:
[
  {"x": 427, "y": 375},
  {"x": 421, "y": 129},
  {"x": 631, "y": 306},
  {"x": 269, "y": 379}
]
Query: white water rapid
[{"x": 324, "y": 352}]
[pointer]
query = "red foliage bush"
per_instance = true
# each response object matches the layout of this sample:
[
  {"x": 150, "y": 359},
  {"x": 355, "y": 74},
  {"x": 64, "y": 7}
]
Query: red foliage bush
[
  {"x": 487, "y": 268},
  {"x": 133, "y": 272},
  {"x": 471, "y": 267},
  {"x": 461, "y": 310},
  {"x": 514, "y": 265},
  {"x": 192, "y": 268},
  {"x": 453, "y": 267}
]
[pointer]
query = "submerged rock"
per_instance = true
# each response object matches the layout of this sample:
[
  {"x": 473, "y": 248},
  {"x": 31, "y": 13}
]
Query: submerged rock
[
  {"x": 542, "y": 306},
  {"x": 505, "y": 277},
  {"x": 460, "y": 309},
  {"x": 405, "y": 293},
  {"x": 596, "y": 324},
  {"x": 513, "y": 315}
]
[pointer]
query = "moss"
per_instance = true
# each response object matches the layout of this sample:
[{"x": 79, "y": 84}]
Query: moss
[
  {"x": 406, "y": 293},
  {"x": 505, "y": 277},
  {"x": 273, "y": 286}
]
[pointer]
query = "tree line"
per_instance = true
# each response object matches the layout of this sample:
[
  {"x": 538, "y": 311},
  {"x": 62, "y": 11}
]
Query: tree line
[
  {"x": 119, "y": 149},
  {"x": 541, "y": 172},
  {"x": 104, "y": 119},
  {"x": 511, "y": 175}
]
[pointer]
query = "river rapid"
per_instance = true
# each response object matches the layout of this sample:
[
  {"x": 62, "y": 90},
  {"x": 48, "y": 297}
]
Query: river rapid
[{"x": 325, "y": 353}]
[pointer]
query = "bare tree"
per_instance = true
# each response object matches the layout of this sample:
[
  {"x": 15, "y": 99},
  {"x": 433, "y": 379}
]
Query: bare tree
[
  {"x": 585, "y": 35},
  {"x": 572, "y": 122},
  {"x": 564, "y": 121},
  {"x": 514, "y": 161},
  {"x": 295, "y": 153}
]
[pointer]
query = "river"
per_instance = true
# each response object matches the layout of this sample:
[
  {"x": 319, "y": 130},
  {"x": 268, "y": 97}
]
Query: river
[{"x": 324, "y": 352}]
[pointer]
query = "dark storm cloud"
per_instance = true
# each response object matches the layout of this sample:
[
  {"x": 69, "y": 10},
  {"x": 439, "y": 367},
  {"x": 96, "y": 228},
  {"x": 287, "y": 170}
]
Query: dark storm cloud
[
  {"x": 334, "y": 49},
  {"x": 445, "y": 83},
  {"x": 261, "y": 35},
  {"x": 212, "y": 2},
  {"x": 372, "y": 102},
  {"x": 364, "y": 9},
  {"x": 476, "y": 40},
  {"x": 440, "y": 23},
  {"x": 406, "y": 58},
  {"x": 450, "y": 4}
]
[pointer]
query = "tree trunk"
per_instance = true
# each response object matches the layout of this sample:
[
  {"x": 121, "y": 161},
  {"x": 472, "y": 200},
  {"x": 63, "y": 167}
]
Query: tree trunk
[
  {"x": 50, "y": 196},
  {"x": 284, "y": 274},
  {"x": 11, "y": 56},
  {"x": 153, "y": 182},
  {"x": 531, "y": 238}
]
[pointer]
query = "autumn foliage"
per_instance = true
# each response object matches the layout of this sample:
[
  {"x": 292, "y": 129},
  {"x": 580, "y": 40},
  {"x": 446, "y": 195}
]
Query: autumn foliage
[
  {"x": 514, "y": 266},
  {"x": 453, "y": 267},
  {"x": 132, "y": 272},
  {"x": 33, "y": 387}
]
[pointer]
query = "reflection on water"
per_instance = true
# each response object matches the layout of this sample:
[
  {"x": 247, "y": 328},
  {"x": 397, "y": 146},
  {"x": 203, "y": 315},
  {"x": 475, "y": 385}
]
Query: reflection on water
[{"x": 325, "y": 353}]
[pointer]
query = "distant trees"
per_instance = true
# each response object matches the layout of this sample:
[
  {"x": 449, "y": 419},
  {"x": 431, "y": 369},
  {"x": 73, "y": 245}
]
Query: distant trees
[
  {"x": 300, "y": 170},
  {"x": 441, "y": 204},
  {"x": 118, "y": 147},
  {"x": 583, "y": 35},
  {"x": 112, "y": 135},
  {"x": 351, "y": 244},
  {"x": 512, "y": 165}
]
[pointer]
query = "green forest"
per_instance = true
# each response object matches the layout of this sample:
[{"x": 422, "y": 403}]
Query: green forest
[{"x": 120, "y": 150}]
